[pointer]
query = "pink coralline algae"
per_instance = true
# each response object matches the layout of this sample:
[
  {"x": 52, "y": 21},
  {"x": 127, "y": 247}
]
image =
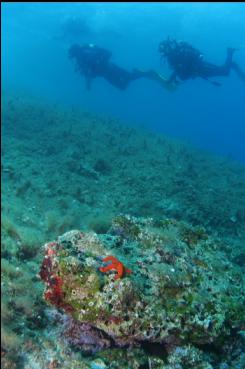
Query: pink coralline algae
[{"x": 54, "y": 294}]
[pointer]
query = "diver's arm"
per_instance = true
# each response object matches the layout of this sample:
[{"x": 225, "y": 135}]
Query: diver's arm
[
  {"x": 166, "y": 83},
  {"x": 88, "y": 81},
  {"x": 172, "y": 78},
  {"x": 89, "y": 75},
  {"x": 154, "y": 76}
]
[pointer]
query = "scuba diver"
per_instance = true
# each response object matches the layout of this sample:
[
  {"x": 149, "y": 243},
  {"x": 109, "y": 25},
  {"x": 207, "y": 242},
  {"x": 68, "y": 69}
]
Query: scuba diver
[
  {"x": 93, "y": 61},
  {"x": 188, "y": 62}
]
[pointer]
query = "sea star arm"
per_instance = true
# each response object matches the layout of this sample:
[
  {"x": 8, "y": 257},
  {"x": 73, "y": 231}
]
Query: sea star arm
[
  {"x": 120, "y": 270},
  {"x": 114, "y": 265},
  {"x": 111, "y": 258},
  {"x": 108, "y": 267}
]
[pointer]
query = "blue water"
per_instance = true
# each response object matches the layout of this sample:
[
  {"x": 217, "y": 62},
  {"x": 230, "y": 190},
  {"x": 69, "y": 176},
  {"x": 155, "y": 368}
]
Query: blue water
[{"x": 35, "y": 61}]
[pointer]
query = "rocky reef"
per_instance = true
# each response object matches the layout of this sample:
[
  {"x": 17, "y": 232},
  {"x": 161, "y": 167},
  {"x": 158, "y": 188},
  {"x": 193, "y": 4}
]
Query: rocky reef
[
  {"x": 161, "y": 287},
  {"x": 66, "y": 169}
]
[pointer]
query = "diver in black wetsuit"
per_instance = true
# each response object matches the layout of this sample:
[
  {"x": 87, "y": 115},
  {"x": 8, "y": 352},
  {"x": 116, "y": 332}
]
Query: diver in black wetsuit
[
  {"x": 93, "y": 61},
  {"x": 188, "y": 63}
]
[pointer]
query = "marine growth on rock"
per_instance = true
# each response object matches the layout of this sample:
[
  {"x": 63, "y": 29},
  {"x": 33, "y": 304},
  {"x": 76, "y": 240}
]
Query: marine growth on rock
[{"x": 165, "y": 285}]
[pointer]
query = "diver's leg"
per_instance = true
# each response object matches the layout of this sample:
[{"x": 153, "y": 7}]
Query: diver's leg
[
  {"x": 211, "y": 70},
  {"x": 238, "y": 71},
  {"x": 117, "y": 76},
  {"x": 228, "y": 63}
]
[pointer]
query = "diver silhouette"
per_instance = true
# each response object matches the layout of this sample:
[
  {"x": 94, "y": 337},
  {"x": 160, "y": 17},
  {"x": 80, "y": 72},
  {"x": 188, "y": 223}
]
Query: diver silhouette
[
  {"x": 188, "y": 62},
  {"x": 93, "y": 61}
]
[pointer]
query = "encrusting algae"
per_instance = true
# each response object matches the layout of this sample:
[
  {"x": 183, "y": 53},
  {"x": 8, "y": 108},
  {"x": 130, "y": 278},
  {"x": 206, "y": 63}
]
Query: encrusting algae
[{"x": 176, "y": 299}]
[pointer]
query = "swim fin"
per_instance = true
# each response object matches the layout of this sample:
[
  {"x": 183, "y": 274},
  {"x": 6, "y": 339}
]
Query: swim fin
[{"x": 215, "y": 83}]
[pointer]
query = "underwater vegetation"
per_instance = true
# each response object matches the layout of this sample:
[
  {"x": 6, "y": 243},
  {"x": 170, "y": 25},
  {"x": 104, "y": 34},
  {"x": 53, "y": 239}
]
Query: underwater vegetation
[{"x": 181, "y": 306}]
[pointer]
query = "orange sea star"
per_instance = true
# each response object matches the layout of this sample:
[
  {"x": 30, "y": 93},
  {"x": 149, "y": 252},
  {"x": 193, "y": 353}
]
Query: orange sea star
[{"x": 115, "y": 265}]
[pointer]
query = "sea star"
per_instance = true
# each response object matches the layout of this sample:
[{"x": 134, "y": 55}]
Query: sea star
[{"x": 115, "y": 265}]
